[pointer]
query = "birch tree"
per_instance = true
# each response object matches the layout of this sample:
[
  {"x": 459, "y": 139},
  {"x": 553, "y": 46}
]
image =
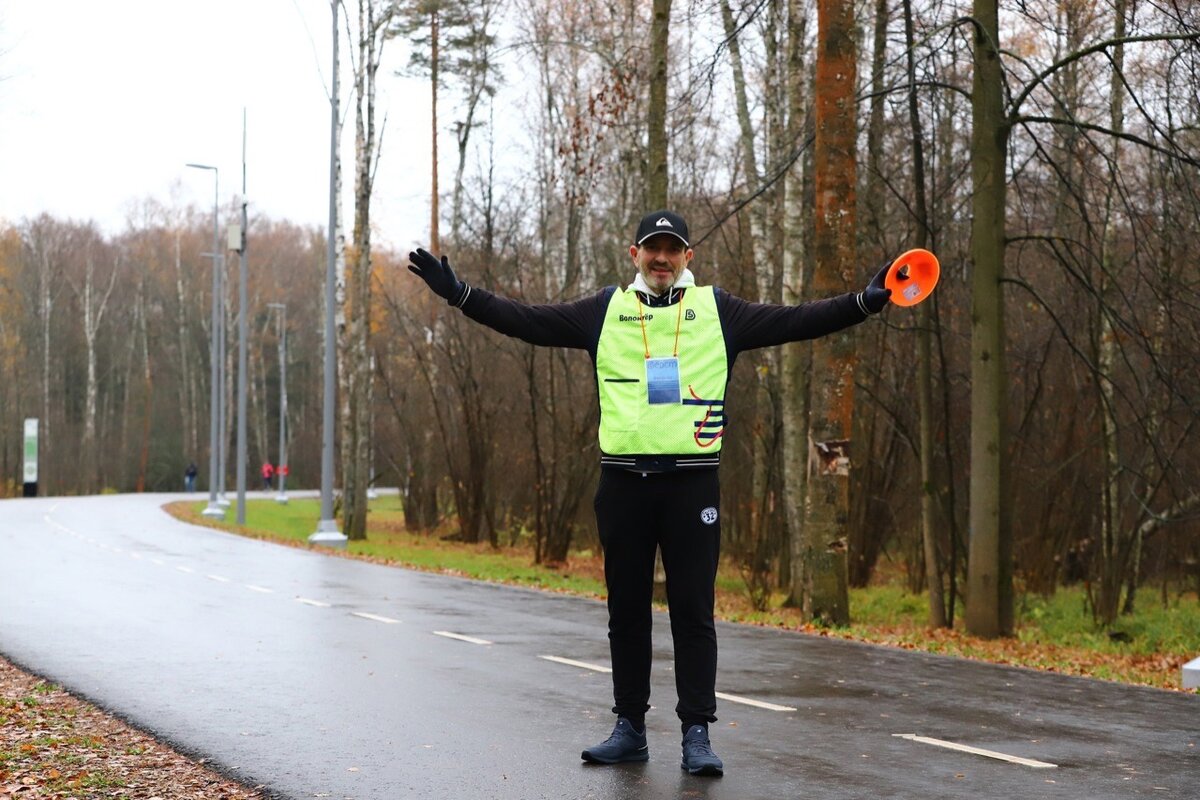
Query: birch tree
[{"x": 373, "y": 22}]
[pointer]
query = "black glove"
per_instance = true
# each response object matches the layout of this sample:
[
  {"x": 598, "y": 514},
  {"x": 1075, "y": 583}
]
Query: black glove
[
  {"x": 875, "y": 297},
  {"x": 438, "y": 275}
]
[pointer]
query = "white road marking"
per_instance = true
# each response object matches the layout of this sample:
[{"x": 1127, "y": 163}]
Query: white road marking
[
  {"x": 58, "y": 525},
  {"x": 570, "y": 662},
  {"x": 747, "y": 701},
  {"x": 963, "y": 748},
  {"x": 376, "y": 617},
  {"x": 188, "y": 570},
  {"x": 461, "y": 637},
  {"x": 156, "y": 562},
  {"x": 138, "y": 556},
  {"x": 262, "y": 589},
  {"x": 217, "y": 578},
  {"x": 308, "y": 602}
]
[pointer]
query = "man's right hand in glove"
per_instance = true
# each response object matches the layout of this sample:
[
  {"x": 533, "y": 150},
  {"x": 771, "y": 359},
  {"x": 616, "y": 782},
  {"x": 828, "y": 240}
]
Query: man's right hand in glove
[{"x": 438, "y": 275}]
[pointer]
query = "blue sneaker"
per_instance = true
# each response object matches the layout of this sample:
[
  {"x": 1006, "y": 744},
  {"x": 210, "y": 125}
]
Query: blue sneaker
[
  {"x": 625, "y": 744},
  {"x": 698, "y": 755}
]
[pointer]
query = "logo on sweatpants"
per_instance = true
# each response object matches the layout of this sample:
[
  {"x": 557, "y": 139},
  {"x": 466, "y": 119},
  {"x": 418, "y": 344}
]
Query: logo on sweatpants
[{"x": 708, "y": 516}]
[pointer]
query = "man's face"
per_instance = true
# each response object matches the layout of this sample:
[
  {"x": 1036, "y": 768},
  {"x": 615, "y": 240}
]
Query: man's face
[{"x": 661, "y": 260}]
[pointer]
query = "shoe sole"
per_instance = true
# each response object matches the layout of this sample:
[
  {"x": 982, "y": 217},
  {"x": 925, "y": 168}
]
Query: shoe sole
[
  {"x": 641, "y": 755},
  {"x": 708, "y": 770}
]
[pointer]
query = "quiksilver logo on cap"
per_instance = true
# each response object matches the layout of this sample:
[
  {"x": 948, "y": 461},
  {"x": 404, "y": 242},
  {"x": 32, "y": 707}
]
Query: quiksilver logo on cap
[{"x": 664, "y": 221}]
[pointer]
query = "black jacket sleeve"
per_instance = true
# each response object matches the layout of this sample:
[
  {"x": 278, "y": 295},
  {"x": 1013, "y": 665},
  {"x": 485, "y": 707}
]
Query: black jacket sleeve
[
  {"x": 750, "y": 325},
  {"x": 576, "y": 324}
]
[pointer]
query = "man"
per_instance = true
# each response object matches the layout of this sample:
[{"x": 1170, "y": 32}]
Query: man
[{"x": 662, "y": 348}]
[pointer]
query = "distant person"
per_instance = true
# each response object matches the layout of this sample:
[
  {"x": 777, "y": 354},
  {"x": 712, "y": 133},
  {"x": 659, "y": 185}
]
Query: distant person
[
  {"x": 268, "y": 472},
  {"x": 189, "y": 477},
  {"x": 662, "y": 347}
]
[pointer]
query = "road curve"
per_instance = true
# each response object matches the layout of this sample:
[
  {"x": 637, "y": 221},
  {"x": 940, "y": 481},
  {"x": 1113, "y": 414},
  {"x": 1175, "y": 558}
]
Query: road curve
[{"x": 320, "y": 676}]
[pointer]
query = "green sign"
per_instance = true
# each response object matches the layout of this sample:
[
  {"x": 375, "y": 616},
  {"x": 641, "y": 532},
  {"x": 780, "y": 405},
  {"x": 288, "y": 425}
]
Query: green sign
[{"x": 31, "y": 465}]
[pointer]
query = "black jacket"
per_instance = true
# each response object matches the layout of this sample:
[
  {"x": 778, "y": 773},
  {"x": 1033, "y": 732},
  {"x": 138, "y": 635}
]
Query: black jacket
[{"x": 577, "y": 324}]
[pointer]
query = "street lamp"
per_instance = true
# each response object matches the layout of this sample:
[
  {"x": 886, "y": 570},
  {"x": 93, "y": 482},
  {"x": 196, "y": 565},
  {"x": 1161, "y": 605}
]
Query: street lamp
[
  {"x": 238, "y": 242},
  {"x": 327, "y": 529},
  {"x": 281, "y": 470},
  {"x": 214, "y": 509}
]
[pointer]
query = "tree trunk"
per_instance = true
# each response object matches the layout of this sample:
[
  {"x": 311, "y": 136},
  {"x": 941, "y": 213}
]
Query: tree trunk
[
  {"x": 93, "y": 315},
  {"x": 435, "y": 243},
  {"x": 796, "y": 355},
  {"x": 874, "y": 178},
  {"x": 189, "y": 435},
  {"x": 764, "y": 447},
  {"x": 45, "y": 439},
  {"x": 657, "y": 182},
  {"x": 989, "y": 568},
  {"x": 356, "y": 448},
  {"x": 925, "y": 322},
  {"x": 835, "y": 258},
  {"x": 148, "y": 382}
]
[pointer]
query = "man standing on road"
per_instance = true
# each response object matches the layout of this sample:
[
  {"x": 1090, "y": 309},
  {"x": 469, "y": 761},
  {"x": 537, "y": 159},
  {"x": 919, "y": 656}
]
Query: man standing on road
[{"x": 662, "y": 348}]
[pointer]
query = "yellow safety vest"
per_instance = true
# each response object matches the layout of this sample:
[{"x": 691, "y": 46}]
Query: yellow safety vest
[{"x": 629, "y": 424}]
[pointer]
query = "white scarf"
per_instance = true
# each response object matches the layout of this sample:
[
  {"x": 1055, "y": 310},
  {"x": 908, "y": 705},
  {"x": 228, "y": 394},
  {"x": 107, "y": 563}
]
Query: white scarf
[{"x": 685, "y": 280}]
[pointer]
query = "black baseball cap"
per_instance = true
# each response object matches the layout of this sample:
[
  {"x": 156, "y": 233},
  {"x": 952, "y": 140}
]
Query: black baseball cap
[{"x": 662, "y": 221}]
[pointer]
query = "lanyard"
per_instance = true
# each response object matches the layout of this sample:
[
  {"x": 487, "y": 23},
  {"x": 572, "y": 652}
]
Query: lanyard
[{"x": 642, "y": 319}]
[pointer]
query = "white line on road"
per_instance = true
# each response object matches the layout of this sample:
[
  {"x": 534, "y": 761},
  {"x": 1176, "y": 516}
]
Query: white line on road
[
  {"x": 217, "y": 578},
  {"x": 156, "y": 562},
  {"x": 308, "y": 602},
  {"x": 460, "y": 637},
  {"x": 262, "y": 589},
  {"x": 375, "y": 617},
  {"x": 570, "y": 662},
  {"x": 138, "y": 556},
  {"x": 188, "y": 570},
  {"x": 58, "y": 525},
  {"x": 733, "y": 698},
  {"x": 963, "y": 748}
]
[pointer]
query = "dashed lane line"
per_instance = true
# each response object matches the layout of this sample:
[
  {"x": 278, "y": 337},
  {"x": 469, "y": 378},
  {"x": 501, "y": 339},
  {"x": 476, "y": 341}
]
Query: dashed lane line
[
  {"x": 262, "y": 589},
  {"x": 570, "y": 662},
  {"x": 978, "y": 751},
  {"x": 316, "y": 603},
  {"x": 748, "y": 701},
  {"x": 374, "y": 617},
  {"x": 218, "y": 578},
  {"x": 188, "y": 570},
  {"x": 462, "y": 637}
]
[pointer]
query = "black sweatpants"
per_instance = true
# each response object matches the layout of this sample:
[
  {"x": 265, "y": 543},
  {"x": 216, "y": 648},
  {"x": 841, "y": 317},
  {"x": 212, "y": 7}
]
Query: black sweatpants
[{"x": 677, "y": 511}]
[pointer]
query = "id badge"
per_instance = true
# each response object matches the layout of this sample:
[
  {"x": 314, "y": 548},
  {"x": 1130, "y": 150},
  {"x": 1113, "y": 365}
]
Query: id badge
[{"x": 662, "y": 381}]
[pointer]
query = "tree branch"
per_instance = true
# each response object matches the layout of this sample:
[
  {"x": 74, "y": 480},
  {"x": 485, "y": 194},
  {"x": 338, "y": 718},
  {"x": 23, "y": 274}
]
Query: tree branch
[{"x": 1087, "y": 51}]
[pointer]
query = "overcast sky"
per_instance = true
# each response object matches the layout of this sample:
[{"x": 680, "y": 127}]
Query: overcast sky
[{"x": 103, "y": 102}]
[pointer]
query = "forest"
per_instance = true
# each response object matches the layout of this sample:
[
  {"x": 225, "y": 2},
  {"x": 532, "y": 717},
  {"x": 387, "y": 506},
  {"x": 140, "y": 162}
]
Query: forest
[{"x": 1039, "y": 413}]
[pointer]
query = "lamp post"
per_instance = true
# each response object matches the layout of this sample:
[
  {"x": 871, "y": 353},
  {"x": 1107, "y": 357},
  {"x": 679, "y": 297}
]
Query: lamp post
[
  {"x": 327, "y": 530},
  {"x": 281, "y": 468},
  {"x": 239, "y": 244},
  {"x": 214, "y": 509}
]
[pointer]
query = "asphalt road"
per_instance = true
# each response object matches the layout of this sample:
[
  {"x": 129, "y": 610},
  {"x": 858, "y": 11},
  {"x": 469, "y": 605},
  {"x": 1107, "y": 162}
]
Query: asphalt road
[{"x": 320, "y": 676}]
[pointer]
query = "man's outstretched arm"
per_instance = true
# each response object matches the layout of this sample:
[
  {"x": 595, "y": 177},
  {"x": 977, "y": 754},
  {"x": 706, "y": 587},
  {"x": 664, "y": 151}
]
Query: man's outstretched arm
[{"x": 576, "y": 324}]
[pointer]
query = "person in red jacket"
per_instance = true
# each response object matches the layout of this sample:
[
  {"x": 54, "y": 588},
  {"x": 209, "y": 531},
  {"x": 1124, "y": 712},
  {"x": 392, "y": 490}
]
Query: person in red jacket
[{"x": 268, "y": 472}]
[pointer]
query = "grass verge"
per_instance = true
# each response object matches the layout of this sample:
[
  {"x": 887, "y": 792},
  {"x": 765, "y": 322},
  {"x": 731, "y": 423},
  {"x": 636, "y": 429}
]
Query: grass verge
[{"x": 1053, "y": 633}]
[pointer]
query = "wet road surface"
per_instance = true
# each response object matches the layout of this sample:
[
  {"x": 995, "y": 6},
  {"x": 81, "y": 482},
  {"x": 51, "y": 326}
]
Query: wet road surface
[{"x": 320, "y": 676}]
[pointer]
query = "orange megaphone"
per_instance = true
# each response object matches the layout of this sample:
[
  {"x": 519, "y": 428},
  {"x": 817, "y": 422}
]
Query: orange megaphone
[{"x": 912, "y": 277}]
